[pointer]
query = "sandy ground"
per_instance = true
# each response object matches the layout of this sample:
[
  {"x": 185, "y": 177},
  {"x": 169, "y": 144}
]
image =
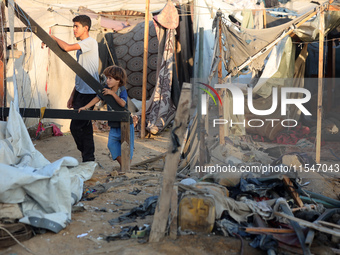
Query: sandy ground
[{"x": 93, "y": 221}]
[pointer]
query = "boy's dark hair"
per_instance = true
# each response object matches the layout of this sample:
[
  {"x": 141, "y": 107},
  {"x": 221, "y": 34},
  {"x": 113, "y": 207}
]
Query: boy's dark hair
[
  {"x": 117, "y": 73},
  {"x": 84, "y": 20}
]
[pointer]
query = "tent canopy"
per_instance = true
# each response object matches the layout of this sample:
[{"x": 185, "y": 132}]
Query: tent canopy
[{"x": 94, "y": 5}]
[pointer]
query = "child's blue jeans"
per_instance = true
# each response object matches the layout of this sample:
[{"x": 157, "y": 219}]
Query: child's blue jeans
[{"x": 114, "y": 143}]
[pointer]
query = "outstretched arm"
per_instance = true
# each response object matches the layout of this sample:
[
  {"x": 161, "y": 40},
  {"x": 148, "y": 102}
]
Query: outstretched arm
[
  {"x": 64, "y": 45},
  {"x": 90, "y": 104}
]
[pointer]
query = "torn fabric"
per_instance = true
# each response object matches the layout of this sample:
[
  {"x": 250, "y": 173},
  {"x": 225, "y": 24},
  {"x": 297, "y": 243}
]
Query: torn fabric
[
  {"x": 240, "y": 44},
  {"x": 309, "y": 31},
  {"x": 45, "y": 190}
]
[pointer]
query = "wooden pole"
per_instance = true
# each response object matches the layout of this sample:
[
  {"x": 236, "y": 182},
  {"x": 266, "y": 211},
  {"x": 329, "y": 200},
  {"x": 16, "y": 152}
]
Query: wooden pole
[
  {"x": 304, "y": 207},
  {"x": 325, "y": 223},
  {"x": 268, "y": 230},
  {"x": 171, "y": 164},
  {"x": 3, "y": 87},
  {"x": 264, "y": 18},
  {"x": 333, "y": 75},
  {"x": 200, "y": 130},
  {"x": 199, "y": 76},
  {"x": 320, "y": 85},
  {"x": 329, "y": 75},
  {"x": 293, "y": 193},
  {"x": 219, "y": 73},
  {"x": 125, "y": 146},
  {"x": 145, "y": 68},
  {"x": 173, "y": 213}
]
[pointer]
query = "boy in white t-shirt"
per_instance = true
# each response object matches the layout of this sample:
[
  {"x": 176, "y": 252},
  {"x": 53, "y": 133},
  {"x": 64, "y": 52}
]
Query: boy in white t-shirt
[{"x": 87, "y": 57}]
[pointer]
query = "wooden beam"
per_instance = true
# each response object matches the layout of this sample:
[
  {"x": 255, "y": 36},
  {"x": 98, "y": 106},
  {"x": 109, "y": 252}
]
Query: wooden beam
[
  {"x": 145, "y": 69},
  {"x": 125, "y": 146},
  {"x": 226, "y": 111},
  {"x": 320, "y": 85},
  {"x": 193, "y": 130},
  {"x": 70, "y": 114},
  {"x": 201, "y": 137},
  {"x": 264, "y": 18},
  {"x": 3, "y": 39},
  {"x": 333, "y": 8},
  {"x": 173, "y": 213},
  {"x": 329, "y": 72},
  {"x": 268, "y": 230},
  {"x": 170, "y": 169},
  {"x": 329, "y": 224},
  {"x": 191, "y": 157},
  {"x": 304, "y": 207},
  {"x": 202, "y": 149},
  {"x": 333, "y": 64},
  {"x": 219, "y": 73},
  {"x": 22, "y": 29},
  {"x": 290, "y": 187}
]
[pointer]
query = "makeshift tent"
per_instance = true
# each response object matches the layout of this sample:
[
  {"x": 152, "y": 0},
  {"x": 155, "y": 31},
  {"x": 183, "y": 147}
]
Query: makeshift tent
[
  {"x": 120, "y": 39},
  {"x": 252, "y": 46},
  {"x": 286, "y": 57}
]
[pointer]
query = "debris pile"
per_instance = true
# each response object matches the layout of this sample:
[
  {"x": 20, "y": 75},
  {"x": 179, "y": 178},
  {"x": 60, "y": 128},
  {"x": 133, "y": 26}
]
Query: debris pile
[{"x": 258, "y": 195}]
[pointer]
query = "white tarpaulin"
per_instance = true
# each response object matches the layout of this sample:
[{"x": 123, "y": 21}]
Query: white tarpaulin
[
  {"x": 43, "y": 79},
  {"x": 45, "y": 190},
  {"x": 95, "y": 5}
]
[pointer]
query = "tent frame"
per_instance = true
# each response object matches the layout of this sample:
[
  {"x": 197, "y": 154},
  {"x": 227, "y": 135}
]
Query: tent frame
[
  {"x": 319, "y": 10},
  {"x": 119, "y": 114}
]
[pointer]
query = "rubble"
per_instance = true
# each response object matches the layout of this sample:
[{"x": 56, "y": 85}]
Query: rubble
[{"x": 271, "y": 207}]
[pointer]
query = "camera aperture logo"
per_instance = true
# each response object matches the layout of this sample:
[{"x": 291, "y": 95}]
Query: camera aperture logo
[
  {"x": 204, "y": 97},
  {"x": 238, "y": 105}
]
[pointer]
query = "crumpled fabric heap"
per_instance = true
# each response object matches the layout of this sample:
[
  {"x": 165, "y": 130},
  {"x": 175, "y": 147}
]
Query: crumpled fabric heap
[{"x": 45, "y": 191}]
